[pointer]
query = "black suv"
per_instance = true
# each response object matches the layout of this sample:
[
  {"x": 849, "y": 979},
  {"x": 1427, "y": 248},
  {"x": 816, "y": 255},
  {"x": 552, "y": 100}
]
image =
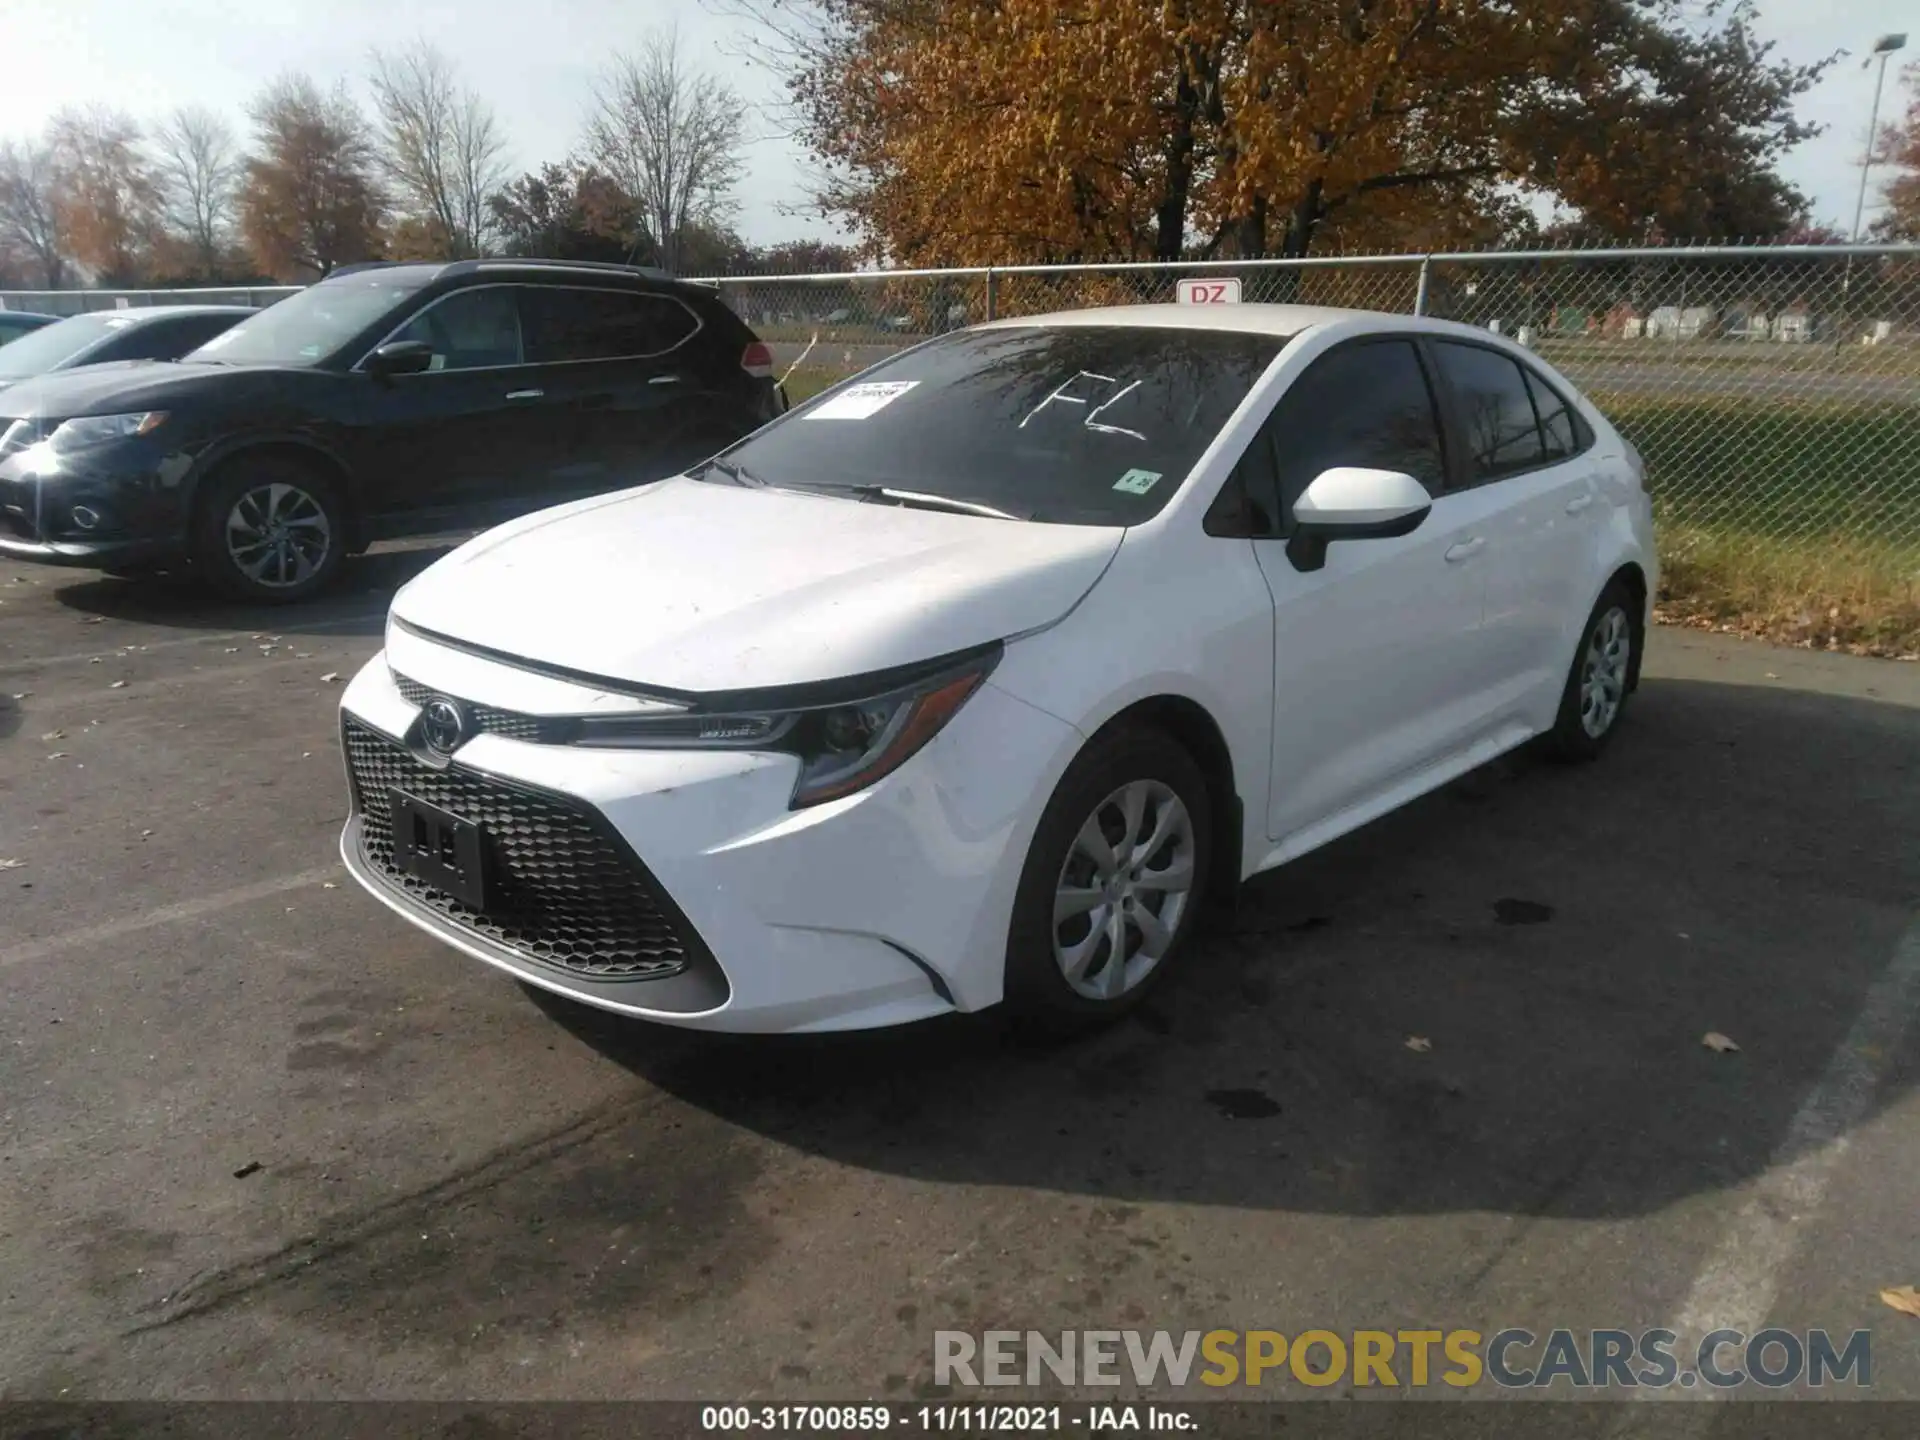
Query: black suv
[{"x": 386, "y": 400}]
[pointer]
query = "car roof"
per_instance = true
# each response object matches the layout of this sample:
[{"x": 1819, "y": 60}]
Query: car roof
[
  {"x": 154, "y": 312},
  {"x": 1255, "y": 319},
  {"x": 29, "y": 315},
  {"x": 429, "y": 271}
]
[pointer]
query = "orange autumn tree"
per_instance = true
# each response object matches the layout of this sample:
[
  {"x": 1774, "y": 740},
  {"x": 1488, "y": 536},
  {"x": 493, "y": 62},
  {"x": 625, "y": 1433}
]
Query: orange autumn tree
[
  {"x": 968, "y": 131},
  {"x": 1899, "y": 146}
]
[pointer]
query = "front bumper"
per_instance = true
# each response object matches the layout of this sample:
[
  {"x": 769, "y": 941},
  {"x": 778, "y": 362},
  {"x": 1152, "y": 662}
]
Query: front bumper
[
  {"x": 888, "y": 906},
  {"x": 112, "y": 505}
]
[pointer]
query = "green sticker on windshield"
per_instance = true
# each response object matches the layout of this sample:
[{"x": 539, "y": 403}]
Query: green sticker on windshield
[{"x": 1137, "y": 482}]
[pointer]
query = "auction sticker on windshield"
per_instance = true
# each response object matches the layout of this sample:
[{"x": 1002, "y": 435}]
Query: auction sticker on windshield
[
  {"x": 1137, "y": 482},
  {"x": 857, "y": 402}
]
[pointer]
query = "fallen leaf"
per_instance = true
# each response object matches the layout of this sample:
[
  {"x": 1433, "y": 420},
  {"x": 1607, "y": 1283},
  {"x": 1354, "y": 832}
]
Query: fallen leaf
[
  {"x": 58, "y": 755},
  {"x": 1771, "y": 676},
  {"x": 330, "y": 677},
  {"x": 303, "y": 655},
  {"x": 118, "y": 685},
  {"x": 233, "y": 649},
  {"x": 23, "y": 694},
  {"x": 94, "y": 661},
  {"x": 1904, "y": 1298},
  {"x": 94, "y": 620},
  {"x": 11, "y": 864},
  {"x": 1419, "y": 1043},
  {"x": 1717, "y": 1042},
  {"x": 252, "y": 1167},
  {"x": 328, "y": 885},
  {"x": 54, "y": 735}
]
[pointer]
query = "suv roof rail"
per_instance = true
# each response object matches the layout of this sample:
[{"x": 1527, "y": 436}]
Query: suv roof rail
[{"x": 535, "y": 262}]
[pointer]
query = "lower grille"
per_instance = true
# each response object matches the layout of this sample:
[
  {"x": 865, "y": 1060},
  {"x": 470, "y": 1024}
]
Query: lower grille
[{"x": 563, "y": 890}]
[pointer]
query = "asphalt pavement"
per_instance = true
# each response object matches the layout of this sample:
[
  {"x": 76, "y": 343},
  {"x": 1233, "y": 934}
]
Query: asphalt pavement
[{"x": 258, "y": 1138}]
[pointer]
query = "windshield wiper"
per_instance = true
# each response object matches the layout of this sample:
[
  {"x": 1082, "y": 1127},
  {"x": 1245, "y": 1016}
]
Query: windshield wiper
[
  {"x": 738, "y": 474},
  {"x": 919, "y": 499}
]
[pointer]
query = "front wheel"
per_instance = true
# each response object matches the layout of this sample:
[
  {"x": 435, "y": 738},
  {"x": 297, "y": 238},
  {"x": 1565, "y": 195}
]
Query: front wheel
[
  {"x": 1597, "y": 683},
  {"x": 1112, "y": 883},
  {"x": 270, "y": 529}
]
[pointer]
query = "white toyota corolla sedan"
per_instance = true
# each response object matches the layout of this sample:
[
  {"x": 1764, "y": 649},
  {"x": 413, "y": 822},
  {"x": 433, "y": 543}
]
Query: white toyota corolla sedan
[{"x": 974, "y": 678}]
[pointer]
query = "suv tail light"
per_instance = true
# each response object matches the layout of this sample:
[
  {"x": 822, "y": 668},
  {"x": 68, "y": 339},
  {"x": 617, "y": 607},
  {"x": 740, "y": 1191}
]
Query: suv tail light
[{"x": 757, "y": 361}]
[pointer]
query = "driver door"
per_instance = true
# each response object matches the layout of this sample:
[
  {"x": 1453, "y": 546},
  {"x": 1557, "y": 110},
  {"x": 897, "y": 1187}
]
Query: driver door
[
  {"x": 447, "y": 447},
  {"x": 1379, "y": 666}
]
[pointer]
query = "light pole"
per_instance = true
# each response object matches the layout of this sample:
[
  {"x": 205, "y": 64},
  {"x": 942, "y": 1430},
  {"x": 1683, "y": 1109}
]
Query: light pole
[{"x": 1883, "y": 47}]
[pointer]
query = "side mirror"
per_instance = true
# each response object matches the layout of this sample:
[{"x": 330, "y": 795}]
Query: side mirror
[
  {"x": 402, "y": 357},
  {"x": 1352, "y": 503}
]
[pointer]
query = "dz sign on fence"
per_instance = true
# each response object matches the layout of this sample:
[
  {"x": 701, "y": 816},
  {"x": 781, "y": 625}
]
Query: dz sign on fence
[{"x": 1209, "y": 292}]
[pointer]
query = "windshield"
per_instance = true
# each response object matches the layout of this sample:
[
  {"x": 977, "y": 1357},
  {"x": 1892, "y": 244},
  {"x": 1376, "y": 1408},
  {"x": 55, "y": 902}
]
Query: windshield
[
  {"x": 1080, "y": 425},
  {"x": 39, "y": 351},
  {"x": 305, "y": 329}
]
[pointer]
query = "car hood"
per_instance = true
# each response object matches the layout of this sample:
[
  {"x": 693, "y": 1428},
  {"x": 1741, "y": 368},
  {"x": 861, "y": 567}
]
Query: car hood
[
  {"x": 692, "y": 586},
  {"x": 116, "y": 387}
]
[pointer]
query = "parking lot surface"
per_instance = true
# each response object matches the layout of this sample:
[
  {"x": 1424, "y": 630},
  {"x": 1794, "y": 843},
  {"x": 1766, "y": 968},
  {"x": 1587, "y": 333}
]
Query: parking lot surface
[{"x": 258, "y": 1138}]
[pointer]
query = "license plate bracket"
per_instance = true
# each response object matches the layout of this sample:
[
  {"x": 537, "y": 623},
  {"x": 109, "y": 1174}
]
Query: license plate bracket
[{"x": 444, "y": 850}]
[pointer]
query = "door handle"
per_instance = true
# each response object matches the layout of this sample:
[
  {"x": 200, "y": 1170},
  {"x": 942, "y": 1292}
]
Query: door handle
[
  {"x": 1466, "y": 549},
  {"x": 663, "y": 380},
  {"x": 525, "y": 394},
  {"x": 1578, "y": 503}
]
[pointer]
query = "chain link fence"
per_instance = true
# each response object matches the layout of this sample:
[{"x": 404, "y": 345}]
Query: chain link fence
[{"x": 1774, "y": 392}]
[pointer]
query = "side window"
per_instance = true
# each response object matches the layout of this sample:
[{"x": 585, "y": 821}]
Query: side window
[
  {"x": 1247, "y": 503},
  {"x": 1562, "y": 434},
  {"x": 1503, "y": 433},
  {"x": 166, "y": 339},
  {"x": 564, "y": 323},
  {"x": 469, "y": 329},
  {"x": 1367, "y": 404}
]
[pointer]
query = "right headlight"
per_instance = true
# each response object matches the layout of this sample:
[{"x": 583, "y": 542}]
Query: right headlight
[{"x": 842, "y": 748}]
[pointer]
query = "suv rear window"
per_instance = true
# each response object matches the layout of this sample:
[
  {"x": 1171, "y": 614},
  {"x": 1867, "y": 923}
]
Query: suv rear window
[
  {"x": 564, "y": 323},
  {"x": 1084, "y": 425}
]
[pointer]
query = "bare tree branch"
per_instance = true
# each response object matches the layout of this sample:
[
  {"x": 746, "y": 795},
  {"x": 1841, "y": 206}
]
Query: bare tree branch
[
  {"x": 669, "y": 135},
  {"x": 29, "y": 209},
  {"x": 199, "y": 169},
  {"x": 441, "y": 145}
]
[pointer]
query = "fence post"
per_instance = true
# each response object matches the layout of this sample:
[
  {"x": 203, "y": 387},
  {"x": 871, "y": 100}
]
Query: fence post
[
  {"x": 993, "y": 286},
  {"x": 1420, "y": 295}
]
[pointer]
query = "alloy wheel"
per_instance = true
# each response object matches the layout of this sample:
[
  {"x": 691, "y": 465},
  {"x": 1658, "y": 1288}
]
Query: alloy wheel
[
  {"x": 1603, "y": 671},
  {"x": 1124, "y": 890},
  {"x": 278, "y": 535}
]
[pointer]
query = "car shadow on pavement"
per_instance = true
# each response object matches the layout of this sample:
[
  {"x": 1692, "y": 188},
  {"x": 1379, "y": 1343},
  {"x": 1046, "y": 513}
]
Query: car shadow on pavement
[
  {"x": 1494, "y": 1000},
  {"x": 356, "y": 606}
]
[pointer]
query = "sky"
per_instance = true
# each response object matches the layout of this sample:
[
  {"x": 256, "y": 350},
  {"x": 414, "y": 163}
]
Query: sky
[{"x": 536, "y": 64}]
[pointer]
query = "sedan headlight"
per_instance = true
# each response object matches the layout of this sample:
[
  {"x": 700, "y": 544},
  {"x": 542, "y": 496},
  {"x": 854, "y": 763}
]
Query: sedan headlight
[
  {"x": 96, "y": 429},
  {"x": 842, "y": 747}
]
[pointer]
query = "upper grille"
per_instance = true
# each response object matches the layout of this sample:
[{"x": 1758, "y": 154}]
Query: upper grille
[
  {"x": 487, "y": 720},
  {"x": 562, "y": 890}
]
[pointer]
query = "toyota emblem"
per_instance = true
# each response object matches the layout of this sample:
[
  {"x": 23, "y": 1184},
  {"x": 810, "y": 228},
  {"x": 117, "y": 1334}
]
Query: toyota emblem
[{"x": 443, "y": 725}]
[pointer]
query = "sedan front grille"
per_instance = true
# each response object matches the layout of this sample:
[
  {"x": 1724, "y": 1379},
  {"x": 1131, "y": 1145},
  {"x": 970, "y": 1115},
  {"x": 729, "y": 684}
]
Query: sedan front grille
[
  {"x": 489, "y": 720},
  {"x": 563, "y": 890}
]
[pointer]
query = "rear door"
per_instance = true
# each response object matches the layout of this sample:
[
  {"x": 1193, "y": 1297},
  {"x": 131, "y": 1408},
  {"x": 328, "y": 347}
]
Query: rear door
[
  {"x": 1539, "y": 486},
  {"x": 622, "y": 396},
  {"x": 1378, "y": 655}
]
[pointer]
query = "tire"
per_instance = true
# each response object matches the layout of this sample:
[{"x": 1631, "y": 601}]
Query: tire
[
  {"x": 1599, "y": 681},
  {"x": 270, "y": 528},
  {"x": 1098, "y": 789}
]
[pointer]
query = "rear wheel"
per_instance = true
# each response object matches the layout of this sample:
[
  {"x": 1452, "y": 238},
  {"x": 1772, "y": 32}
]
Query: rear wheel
[
  {"x": 1597, "y": 683},
  {"x": 270, "y": 528},
  {"x": 1112, "y": 884}
]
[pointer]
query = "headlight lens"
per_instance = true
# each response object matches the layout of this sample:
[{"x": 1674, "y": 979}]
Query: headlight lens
[
  {"x": 842, "y": 748},
  {"x": 95, "y": 429}
]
